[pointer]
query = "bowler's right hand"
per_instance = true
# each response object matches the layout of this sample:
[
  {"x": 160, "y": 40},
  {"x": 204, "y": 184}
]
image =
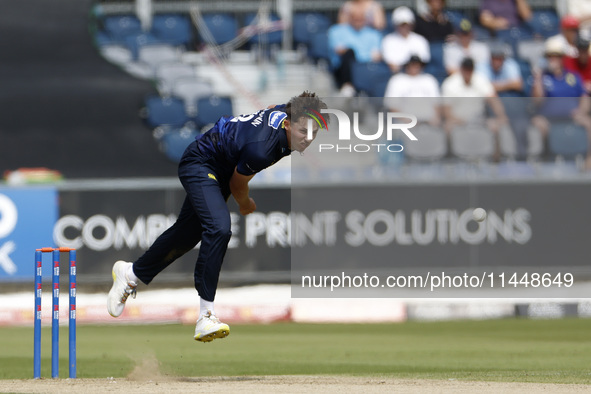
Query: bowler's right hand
[{"x": 248, "y": 208}]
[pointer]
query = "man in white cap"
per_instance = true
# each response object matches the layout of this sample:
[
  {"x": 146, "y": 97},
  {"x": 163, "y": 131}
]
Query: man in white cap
[
  {"x": 560, "y": 95},
  {"x": 398, "y": 47}
]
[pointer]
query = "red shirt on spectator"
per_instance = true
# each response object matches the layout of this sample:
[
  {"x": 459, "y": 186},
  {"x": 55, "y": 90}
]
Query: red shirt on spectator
[{"x": 584, "y": 70}]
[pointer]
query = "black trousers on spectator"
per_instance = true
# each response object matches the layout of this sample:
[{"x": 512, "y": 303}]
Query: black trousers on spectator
[{"x": 343, "y": 74}]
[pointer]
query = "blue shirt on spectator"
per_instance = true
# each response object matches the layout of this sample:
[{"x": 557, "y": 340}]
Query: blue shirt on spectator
[
  {"x": 363, "y": 42},
  {"x": 509, "y": 71},
  {"x": 562, "y": 94}
]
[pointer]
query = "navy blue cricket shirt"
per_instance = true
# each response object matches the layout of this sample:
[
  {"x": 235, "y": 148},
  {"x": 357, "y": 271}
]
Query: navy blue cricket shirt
[{"x": 249, "y": 143}]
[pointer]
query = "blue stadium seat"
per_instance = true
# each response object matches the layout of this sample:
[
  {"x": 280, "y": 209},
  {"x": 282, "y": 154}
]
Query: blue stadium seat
[
  {"x": 436, "y": 66},
  {"x": 172, "y": 29},
  {"x": 514, "y": 35},
  {"x": 210, "y": 109},
  {"x": 390, "y": 27},
  {"x": 567, "y": 139},
  {"x": 379, "y": 86},
  {"x": 120, "y": 27},
  {"x": 436, "y": 49},
  {"x": 367, "y": 77},
  {"x": 481, "y": 33},
  {"x": 306, "y": 25},
  {"x": 526, "y": 74},
  {"x": 318, "y": 48},
  {"x": 165, "y": 111},
  {"x": 545, "y": 23},
  {"x": 135, "y": 41},
  {"x": 174, "y": 142},
  {"x": 223, "y": 27},
  {"x": 270, "y": 38}
]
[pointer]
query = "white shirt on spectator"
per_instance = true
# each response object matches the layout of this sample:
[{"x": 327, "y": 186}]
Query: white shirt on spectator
[
  {"x": 454, "y": 53},
  {"x": 397, "y": 50},
  {"x": 402, "y": 86},
  {"x": 455, "y": 91}
]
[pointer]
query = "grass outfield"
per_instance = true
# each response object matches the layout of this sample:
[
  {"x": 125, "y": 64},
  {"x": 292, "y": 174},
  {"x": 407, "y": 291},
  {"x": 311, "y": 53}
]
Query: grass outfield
[{"x": 499, "y": 350}]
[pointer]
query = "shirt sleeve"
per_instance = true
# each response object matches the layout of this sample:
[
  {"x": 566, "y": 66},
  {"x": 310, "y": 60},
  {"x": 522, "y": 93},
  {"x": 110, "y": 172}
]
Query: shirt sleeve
[
  {"x": 377, "y": 41},
  {"x": 390, "y": 50},
  {"x": 333, "y": 41},
  {"x": 391, "y": 97},
  {"x": 580, "y": 85},
  {"x": 450, "y": 56},
  {"x": 433, "y": 87},
  {"x": 488, "y": 90},
  {"x": 424, "y": 49},
  {"x": 385, "y": 45},
  {"x": 445, "y": 88},
  {"x": 255, "y": 157},
  {"x": 513, "y": 71}
]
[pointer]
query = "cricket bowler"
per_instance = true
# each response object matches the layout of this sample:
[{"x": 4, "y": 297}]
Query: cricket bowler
[{"x": 219, "y": 163}]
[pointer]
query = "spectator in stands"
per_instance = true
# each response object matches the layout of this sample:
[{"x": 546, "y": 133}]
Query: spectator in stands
[
  {"x": 569, "y": 30},
  {"x": 505, "y": 76},
  {"x": 398, "y": 47},
  {"x": 582, "y": 63},
  {"x": 374, "y": 13},
  {"x": 434, "y": 24},
  {"x": 466, "y": 94},
  {"x": 350, "y": 42},
  {"x": 503, "y": 72},
  {"x": 560, "y": 94},
  {"x": 498, "y": 15},
  {"x": 465, "y": 46},
  {"x": 580, "y": 8},
  {"x": 413, "y": 82}
]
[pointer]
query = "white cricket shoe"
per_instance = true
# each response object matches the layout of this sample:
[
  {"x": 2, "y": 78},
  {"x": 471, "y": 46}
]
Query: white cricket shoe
[
  {"x": 209, "y": 327},
  {"x": 121, "y": 290}
]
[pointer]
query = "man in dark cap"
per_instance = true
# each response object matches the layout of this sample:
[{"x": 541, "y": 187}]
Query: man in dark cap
[{"x": 464, "y": 47}]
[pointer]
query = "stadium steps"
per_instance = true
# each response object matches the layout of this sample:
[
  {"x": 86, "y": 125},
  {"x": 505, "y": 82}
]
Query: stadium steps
[{"x": 269, "y": 83}]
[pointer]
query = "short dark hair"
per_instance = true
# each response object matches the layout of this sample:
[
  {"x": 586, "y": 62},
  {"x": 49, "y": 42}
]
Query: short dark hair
[
  {"x": 301, "y": 105},
  {"x": 467, "y": 64}
]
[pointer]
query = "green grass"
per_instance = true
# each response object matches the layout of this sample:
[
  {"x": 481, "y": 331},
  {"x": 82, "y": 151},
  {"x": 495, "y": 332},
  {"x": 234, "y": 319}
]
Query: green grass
[{"x": 498, "y": 350}]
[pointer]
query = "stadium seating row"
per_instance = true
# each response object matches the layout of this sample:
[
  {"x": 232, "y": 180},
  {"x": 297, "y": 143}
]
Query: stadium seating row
[
  {"x": 566, "y": 140},
  {"x": 174, "y": 128},
  {"x": 171, "y": 111}
]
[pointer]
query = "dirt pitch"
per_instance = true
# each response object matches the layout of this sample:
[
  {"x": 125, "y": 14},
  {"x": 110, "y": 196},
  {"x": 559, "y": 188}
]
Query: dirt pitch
[{"x": 279, "y": 384}]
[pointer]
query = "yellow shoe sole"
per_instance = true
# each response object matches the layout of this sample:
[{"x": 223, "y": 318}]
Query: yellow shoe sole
[{"x": 222, "y": 333}]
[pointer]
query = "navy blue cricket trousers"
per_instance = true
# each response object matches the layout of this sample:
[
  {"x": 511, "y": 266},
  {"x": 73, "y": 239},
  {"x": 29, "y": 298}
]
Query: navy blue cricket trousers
[{"x": 204, "y": 217}]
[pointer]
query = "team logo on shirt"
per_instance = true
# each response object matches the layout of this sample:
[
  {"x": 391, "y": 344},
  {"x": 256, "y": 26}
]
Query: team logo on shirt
[{"x": 276, "y": 118}]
